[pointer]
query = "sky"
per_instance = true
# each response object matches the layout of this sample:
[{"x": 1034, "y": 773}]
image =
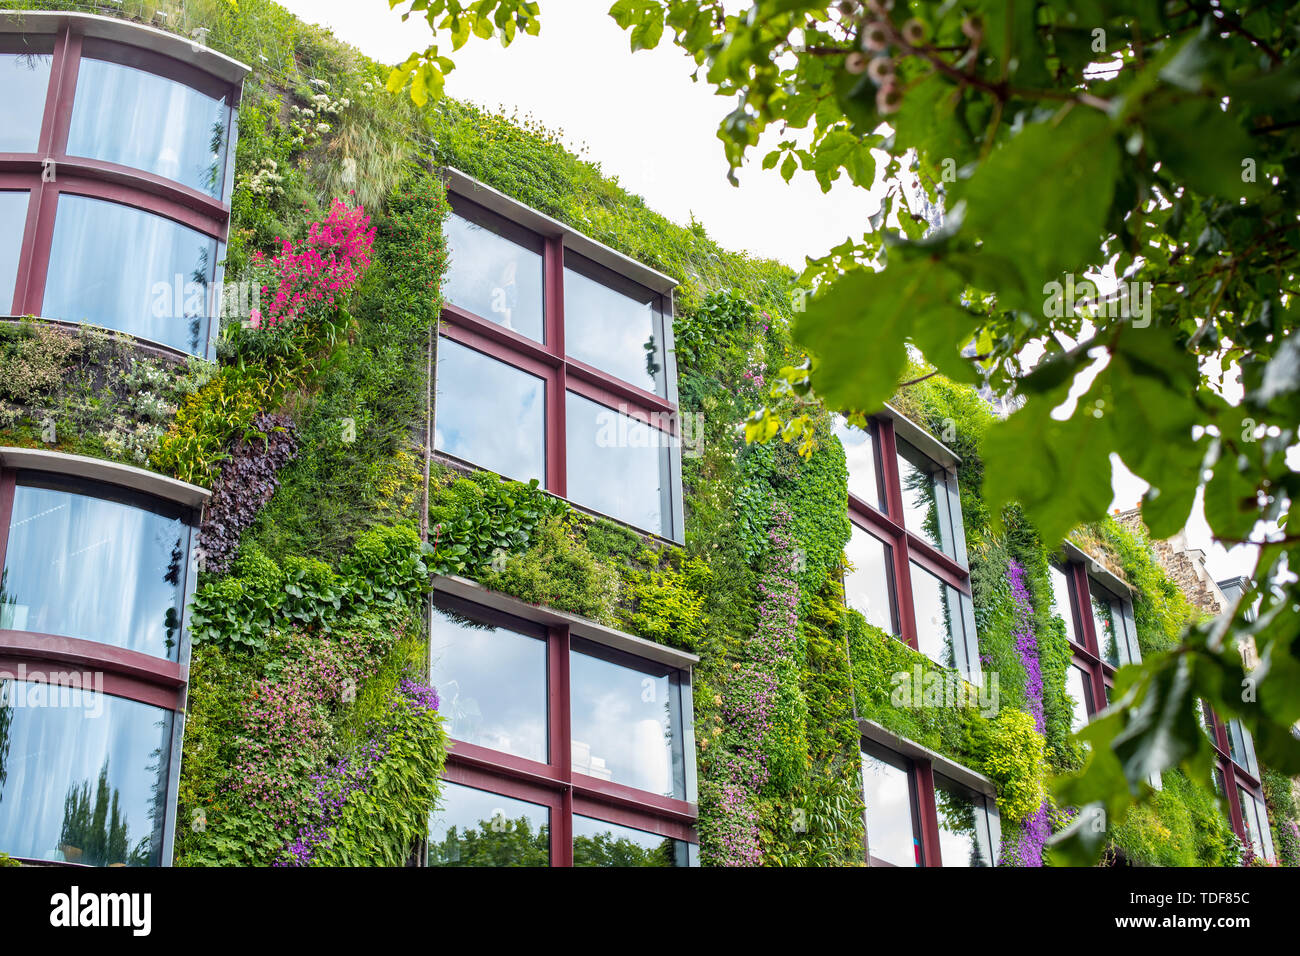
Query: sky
[{"x": 642, "y": 118}]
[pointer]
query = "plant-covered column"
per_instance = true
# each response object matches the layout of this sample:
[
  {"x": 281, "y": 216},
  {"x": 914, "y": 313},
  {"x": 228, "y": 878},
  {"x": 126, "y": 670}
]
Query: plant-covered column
[{"x": 1024, "y": 847}]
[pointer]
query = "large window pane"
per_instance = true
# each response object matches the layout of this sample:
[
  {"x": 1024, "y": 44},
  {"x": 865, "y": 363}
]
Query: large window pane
[
  {"x": 151, "y": 280},
  {"x": 1078, "y": 686},
  {"x": 612, "y": 331},
  {"x": 617, "y": 465},
  {"x": 597, "y": 843},
  {"x": 1108, "y": 618},
  {"x": 1250, "y": 815},
  {"x": 869, "y": 587},
  {"x": 83, "y": 776},
  {"x": 1062, "y": 600},
  {"x": 490, "y": 413},
  {"x": 626, "y": 723},
  {"x": 860, "y": 453},
  {"x": 925, "y": 498},
  {"x": 24, "y": 78},
  {"x": 892, "y": 834},
  {"x": 476, "y": 828},
  {"x": 965, "y": 838},
  {"x": 492, "y": 683},
  {"x": 13, "y": 218},
  {"x": 127, "y": 116},
  {"x": 1265, "y": 833},
  {"x": 494, "y": 278},
  {"x": 96, "y": 569},
  {"x": 939, "y": 630}
]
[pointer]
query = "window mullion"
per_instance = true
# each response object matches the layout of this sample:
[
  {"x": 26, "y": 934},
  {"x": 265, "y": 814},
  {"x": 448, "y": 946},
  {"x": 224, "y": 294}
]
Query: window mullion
[
  {"x": 557, "y": 481},
  {"x": 561, "y": 757},
  {"x": 923, "y": 774}
]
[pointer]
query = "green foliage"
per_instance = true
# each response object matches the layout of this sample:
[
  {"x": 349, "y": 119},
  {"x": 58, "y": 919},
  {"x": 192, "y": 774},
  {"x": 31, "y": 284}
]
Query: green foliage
[
  {"x": 480, "y": 519},
  {"x": 668, "y": 604},
  {"x": 1014, "y": 760},
  {"x": 560, "y": 571},
  {"x": 1182, "y": 825}
]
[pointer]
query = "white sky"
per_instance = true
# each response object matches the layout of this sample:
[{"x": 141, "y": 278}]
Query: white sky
[{"x": 642, "y": 118}]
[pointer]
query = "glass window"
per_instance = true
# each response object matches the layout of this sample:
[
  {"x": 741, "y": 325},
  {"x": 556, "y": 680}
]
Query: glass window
[
  {"x": 1241, "y": 747},
  {"x": 1108, "y": 618},
  {"x": 626, "y": 722},
  {"x": 13, "y": 219},
  {"x": 613, "y": 332},
  {"x": 1265, "y": 833},
  {"x": 892, "y": 833},
  {"x": 1062, "y": 600},
  {"x": 494, "y": 278},
  {"x": 1250, "y": 817},
  {"x": 490, "y": 413},
  {"x": 148, "y": 122},
  {"x": 860, "y": 453},
  {"x": 618, "y": 465},
  {"x": 150, "y": 281},
  {"x": 965, "y": 837},
  {"x": 473, "y": 827},
  {"x": 597, "y": 843},
  {"x": 869, "y": 586},
  {"x": 95, "y": 568},
  {"x": 83, "y": 775},
  {"x": 925, "y": 498},
  {"x": 24, "y": 77},
  {"x": 1078, "y": 686},
  {"x": 939, "y": 632},
  {"x": 492, "y": 682}
]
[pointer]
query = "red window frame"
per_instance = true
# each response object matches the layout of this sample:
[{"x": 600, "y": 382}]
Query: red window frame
[
  {"x": 559, "y": 372},
  {"x": 552, "y": 783},
  {"x": 127, "y": 673},
  {"x": 1233, "y": 774},
  {"x": 98, "y": 179},
  {"x": 1087, "y": 653},
  {"x": 924, "y": 806},
  {"x": 904, "y": 546}
]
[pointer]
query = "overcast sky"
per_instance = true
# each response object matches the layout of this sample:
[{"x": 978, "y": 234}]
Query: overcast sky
[{"x": 642, "y": 118}]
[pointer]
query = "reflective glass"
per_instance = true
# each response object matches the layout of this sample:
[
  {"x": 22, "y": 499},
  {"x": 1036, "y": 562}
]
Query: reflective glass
[
  {"x": 597, "y": 843},
  {"x": 964, "y": 835},
  {"x": 891, "y": 827},
  {"x": 617, "y": 465},
  {"x": 95, "y": 569},
  {"x": 1077, "y": 686},
  {"x": 490, "y": 413},
  {"x": 1061, "y": 601},
  {"x": 492, "y": 683},
  {"x": 13, "y": 219},
  {"x": 613, "y": 332},
  {"x": 939, "y": 631},
  {"x": 1108, "y": 619},
  {"x": 151, "y": 123},
  {"x": 130, "y": 271},
  {"x": 860, "y": 453},
  {"x": 626, "y": 725},
  {"x": 24, "y": 77},
  {"x": 473, "y": 827},
  {"x": 925, "y": 498},
  {"x": 83, "y": 775},
  {"x": 494, "y": 278},
  {"x": 869, "y": 587}
]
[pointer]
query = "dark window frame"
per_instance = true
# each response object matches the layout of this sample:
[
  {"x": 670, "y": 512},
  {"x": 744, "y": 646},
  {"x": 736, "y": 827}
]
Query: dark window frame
[
  {"x": 561, "y": 373},
  {"x": 553, "y": 783},
  {"x": 906, "y": 546},
  {"x": 98, "y": 179},
  {"x": 1234, "y": 775},
  {"x": 1086, "y": 650}
]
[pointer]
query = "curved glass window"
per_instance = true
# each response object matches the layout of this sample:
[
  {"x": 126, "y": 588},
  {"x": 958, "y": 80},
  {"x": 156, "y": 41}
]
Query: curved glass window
[
  {"x": 24, "y": 77},
  {"x": 475, "y": 827},
  {"x": 613, "y": 331},
  {"x": 597, "y": 843},
  {"x": 489, "y": 413},
  {"x": 130, "y": 271},
  {"x": 492, "y": 682},
  {"x": 127, "y": 116},
  {"x": 13, "y": 217},
  {"x": 83, "y": 775},
  {"x": 626, "y": 723},
  {"x": 494, "y": 277},
  {"x": 95, "y": 568}
]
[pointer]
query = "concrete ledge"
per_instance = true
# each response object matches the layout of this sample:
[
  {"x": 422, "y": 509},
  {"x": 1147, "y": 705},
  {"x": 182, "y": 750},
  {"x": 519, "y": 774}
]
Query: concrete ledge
[
  {"x": 920, "y": 439},
  {"x": 461, "y": 184},
  {"x": 185, "y": 49},
  {"x": 1098, "y": 570},
  {"x": 954, "y": 771},
  {"x": 109, "y": 472},
  {"x": 469, "y": 590}
]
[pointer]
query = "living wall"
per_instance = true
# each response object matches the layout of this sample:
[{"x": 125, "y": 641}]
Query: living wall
[{"x": 311, "y": 738}]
